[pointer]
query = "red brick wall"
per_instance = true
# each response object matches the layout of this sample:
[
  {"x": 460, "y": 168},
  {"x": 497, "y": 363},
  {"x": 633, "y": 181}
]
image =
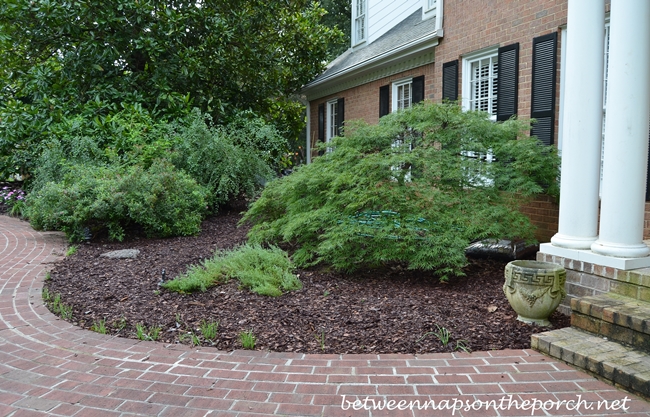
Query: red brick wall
[
  {"x": 543, "y": 212},
  {"x": 362, "y": 102},
  {"x": 472, "y": 25}
]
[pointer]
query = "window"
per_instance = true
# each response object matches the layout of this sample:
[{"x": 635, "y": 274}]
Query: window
[
  {"x": 359, "y": 30},
  {"x": 402, "y": 95},
  {"x": 490, "y": 81},
  {"x": 480, "y": 82},
  {"x": 432, "y": 9},
  {"x": 332, "y": 114},
  {"x": 407, "y": 92}
]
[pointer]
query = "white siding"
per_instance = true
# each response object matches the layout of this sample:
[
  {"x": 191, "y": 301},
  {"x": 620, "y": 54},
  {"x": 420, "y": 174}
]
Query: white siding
[{"x": 385, "y": 14}]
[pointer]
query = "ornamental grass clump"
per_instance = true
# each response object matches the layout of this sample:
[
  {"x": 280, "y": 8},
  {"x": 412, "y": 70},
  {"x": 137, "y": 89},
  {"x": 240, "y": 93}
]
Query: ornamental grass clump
[
  {"x": 417, "y": 188},
  {"x": 263, "y": 271}
]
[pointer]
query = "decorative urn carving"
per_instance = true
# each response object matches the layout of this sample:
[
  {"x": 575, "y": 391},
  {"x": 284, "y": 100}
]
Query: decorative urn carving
[{"x": 534, "y": 289}]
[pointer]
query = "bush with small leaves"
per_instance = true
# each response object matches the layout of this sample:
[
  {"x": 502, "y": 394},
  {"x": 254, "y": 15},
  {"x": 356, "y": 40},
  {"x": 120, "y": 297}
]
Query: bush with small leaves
[
  {"x": 161, "y": 199},
  {"x": 416, "y": 189},
  {"x": 263, "y": 271}
]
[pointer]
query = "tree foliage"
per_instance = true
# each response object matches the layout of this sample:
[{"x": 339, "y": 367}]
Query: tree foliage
[
  {"x": 90, "y": 57},
  {"x": 417, "y": 189},
  {"x": 338, "y": 16}
]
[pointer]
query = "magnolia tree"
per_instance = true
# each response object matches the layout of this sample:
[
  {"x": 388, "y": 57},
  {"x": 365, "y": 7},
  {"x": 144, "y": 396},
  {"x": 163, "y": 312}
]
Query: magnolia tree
[{"x": 417, "y": 188}]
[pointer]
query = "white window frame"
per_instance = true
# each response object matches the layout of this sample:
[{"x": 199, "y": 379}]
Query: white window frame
[
  {"x": 331, "y": 110},
  {"x": 398, "y": 96},
  {"x": 432, "y": 9},
  {"x": 359, "y": 21},
  {"x": 487, "y": 56}
]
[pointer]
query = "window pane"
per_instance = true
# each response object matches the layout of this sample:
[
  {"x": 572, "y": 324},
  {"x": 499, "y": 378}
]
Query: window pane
[{"x": 483, "y": 86}]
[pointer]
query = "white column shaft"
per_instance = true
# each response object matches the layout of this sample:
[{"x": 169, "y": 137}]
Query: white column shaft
[
  {"x": 582, "y": 125},
  {"x": 626, "y": 132}
]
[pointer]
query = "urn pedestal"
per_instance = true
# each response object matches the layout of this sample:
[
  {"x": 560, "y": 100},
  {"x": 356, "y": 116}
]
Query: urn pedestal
[{"x": 534, "y": 289}]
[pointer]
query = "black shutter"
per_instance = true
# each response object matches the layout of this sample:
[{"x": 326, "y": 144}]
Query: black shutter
[
  {"x": 507, "y": 82},
  {"x": 383, "y": 101},
  {"x": 417, "y": 89},
  {"x": 543, "y": 96},
  {"x": 321, "y": 122},
  {"x": 450, "y": 80},
  {"x": 340, "y": 115}
]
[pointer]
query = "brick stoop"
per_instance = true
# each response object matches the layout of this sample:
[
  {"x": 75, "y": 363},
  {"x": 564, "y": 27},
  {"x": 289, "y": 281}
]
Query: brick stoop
[{"x": 609, "y": 338}]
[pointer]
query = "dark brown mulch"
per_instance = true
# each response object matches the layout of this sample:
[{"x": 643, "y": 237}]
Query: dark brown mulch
[{"x": 375, "y": 311}]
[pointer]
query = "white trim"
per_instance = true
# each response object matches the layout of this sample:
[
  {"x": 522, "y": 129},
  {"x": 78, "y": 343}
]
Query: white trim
[
  {"x": 433, "y": 9},
  {"x": 468, "y": 61},
  {"x": 402, "y": 53},
  {"x": 308, "y": 135},
  {"x": 395, "y": 87},
  {"x": 563, "y": 41},
  {"x": 330, "y": 119},
  {"x": 356, "y": 40}
]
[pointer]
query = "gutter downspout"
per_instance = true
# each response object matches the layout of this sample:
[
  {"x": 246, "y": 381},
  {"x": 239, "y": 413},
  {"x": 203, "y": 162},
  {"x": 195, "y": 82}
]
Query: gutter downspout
[{"x": 308, "y": 135}]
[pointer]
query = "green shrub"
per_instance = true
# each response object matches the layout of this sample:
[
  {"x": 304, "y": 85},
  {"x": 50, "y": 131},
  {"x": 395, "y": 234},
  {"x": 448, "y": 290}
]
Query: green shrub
[
  {"x": 372, "y": 200},
  {"x": 162, "y": 200},
  {"x": 263, "y": 271},
  {"x": 214, "y": 161},
  {"x": 227, "y": 160}
]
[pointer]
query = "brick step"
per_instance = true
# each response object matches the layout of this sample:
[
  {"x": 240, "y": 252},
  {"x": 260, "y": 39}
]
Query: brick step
[
  {"x": 616, "y": 363},
  {"x": 615, "y": 317}
]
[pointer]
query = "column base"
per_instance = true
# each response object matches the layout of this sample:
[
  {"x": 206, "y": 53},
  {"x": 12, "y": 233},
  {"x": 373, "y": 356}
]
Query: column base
[
  {"x": 572, "y": 242},
  {"x": 588, "y": 256},
  {"x": 619, "y": 250}
]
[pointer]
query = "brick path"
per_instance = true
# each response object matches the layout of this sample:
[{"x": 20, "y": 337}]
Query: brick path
[{"x": 49, "y": 367}]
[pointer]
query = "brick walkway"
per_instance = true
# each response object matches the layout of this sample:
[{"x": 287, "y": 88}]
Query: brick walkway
[{"x": 49, "y": 367}]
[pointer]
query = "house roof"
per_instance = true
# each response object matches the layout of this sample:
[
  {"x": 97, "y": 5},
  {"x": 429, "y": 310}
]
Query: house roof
[{"x": 410, "y": 32}]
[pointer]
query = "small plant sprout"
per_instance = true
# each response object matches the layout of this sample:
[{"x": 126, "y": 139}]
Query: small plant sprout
[
  {"x": 191, "y": 337},
  {"x": 154, "y": 333},
  {"x": 209, "y": 330},
  {"x": 45, "y": 293},
  {"x": 65, "y": 311},
  {"x": 71, "y": 251},
  {"x": 441, "y": 333},
  {"x": 120, "y": 324},
  {"x": 99, "y": 326},
  {"x": 321, "y": 339},
  {"x": 462, "y": 345},
  {"x": 48, "y": 276},
  {"x": 140, "y": 331},
  {"x": 247, "y": 339}
]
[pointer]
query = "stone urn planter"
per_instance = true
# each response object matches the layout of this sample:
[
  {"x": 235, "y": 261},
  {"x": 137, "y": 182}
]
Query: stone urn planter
[{"x": 534, "y": 289}]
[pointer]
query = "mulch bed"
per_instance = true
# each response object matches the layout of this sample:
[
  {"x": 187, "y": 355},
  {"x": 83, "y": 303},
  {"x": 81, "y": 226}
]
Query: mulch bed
[{"x": 388, "y": 310}]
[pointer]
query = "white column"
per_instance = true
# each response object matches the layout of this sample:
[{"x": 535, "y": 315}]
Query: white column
[
  {"x": 626, "y": 132},
  {"x": 582, "y": 125}
]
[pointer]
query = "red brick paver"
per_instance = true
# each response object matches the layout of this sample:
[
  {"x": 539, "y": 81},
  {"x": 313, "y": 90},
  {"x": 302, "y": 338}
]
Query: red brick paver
[{"x": 49, "y": 367}]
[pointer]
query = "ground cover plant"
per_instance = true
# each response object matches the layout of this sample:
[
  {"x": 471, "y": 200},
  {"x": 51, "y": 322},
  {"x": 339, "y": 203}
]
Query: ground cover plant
[
  {"x": 415, "y": 189},
  {"x": 263, "y": 271}
]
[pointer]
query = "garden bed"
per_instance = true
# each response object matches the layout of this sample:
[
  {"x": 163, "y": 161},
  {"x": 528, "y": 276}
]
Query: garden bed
[{"x": 388, "y": 310}]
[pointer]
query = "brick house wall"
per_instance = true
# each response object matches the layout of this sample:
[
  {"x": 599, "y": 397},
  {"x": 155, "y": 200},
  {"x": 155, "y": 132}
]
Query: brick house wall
[
  {"x": 469, "y": 26},
  {"x": 362, "y": 102}
]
